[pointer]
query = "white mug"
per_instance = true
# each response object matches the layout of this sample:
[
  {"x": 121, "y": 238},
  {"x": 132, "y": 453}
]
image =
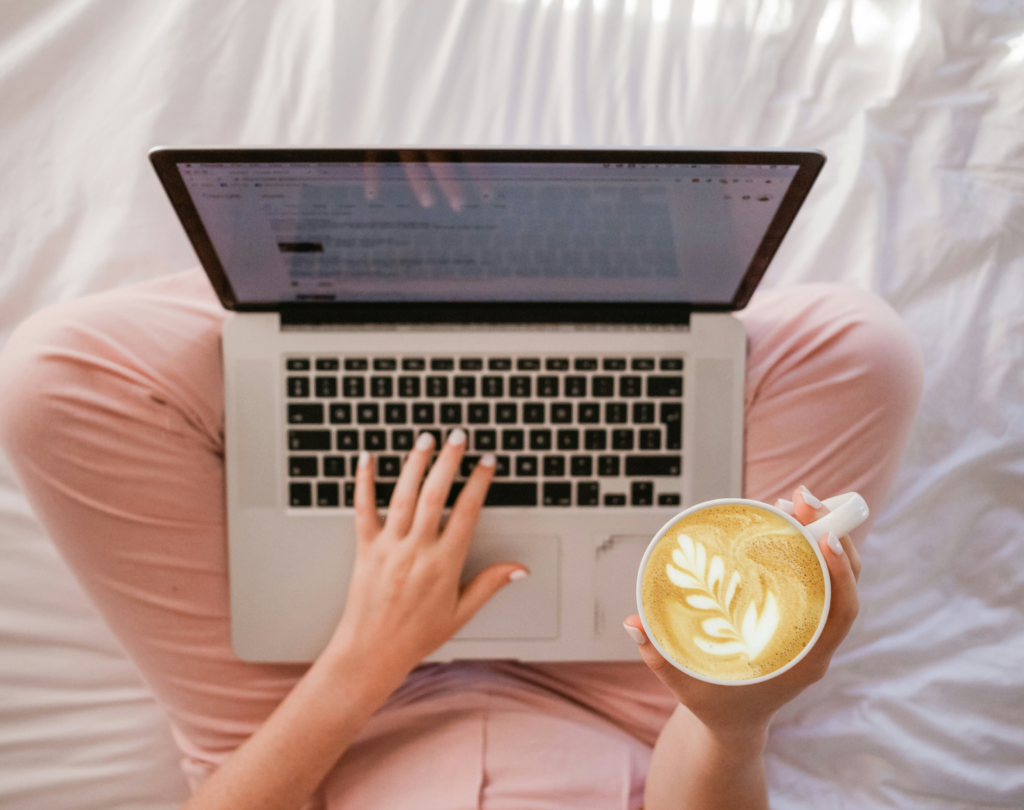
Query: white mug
[{"x": 847, "y": 513}]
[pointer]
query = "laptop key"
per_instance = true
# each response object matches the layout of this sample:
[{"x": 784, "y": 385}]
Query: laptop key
[
  {"x": 595, "y": 439},
  {"x": 368, "y": 413},
  {"x": 501, "y": 468},
  {"x": 327, "y": 364},
  {"x": 668, "y": 498},
  {"x": 575, "y": 386},
  {"x": 630, "y": 386},
  {"x": 395, "y": 413},
  {"x": 408, "y": 386},
  {"x": 303, "y": 466},
  {"x": 512, "y": 493},
  {"x": 385, "y": 489},
  {"x": 471, "y": 364},
  {"x": 650, "y": 439},
  {"x": 568, "y": 440},
  {"x": 375, "y": 440},
  {"x": 414, "y": 364},
  {"x": 309, "y": 440},
  {"x": 341, "y": 413},
  {"x": 547, "y": 386},
  {"x": 492, "y": 386},
  {"x": 297, "y": 364},
  {"x": 672, "y": 419},
  {"x": 608, "y": 466},
  {"x": 300, "y": 494},
  {"x": 326, "y": 386},
  {"x": 603, "y": 386},
  {"x": 299, "y": 413},
  {"x": 485, "y": 439},
  {"x": 298, "y": 386},
  {"x": 561, "y": 413},
  {"x": 526, "y": 466},
  {"x": 384, "y": 364},
  {"x": 540, "y": 439},
  {"x": 587, "y": 493},
  {"x": 451, "y": 413},
  {"x": 654, "y": 465},
  {"x": 643, "y": 413},
  {"x": 643, "y": 364},
  {"x": 517, "y": 386},
  {"x": 350, "y": 492},
  {"x": 334, "y": 466},
  {"x": 505, "y": 413},
  {"x": 381, "y": 387},
  {"x": 465, "y": 386},
  {"x": 528, "y": 364},
  {"x": 664, "y": 386},
  {"x": 642, "y": 493},
  {"x": 589, "y": 413},
  {"x": 401, "y": 440},
  {"x": 423, "y": 413},
  {"x": 327, "y": 494},
  {"x": 347, "y": 440},
  {"x": 557, "y": 493},
  {"x": 554, "y": 466},
  {"x": 614, "y": 500},
  {"x": 437, "y": 386},
  {"x": 615, "y": 413},
  {"x": 479, "y": 413},
  {"x": 581, "y": 466},
  {"x": 499, "y": 364},
  {"x": 512, "y": 440},
  {"x": 353, "y": 387},
  {"x": 533, "y": 413},
  {"x": 622, "y": 439},
  {"x": 467, "y": 465},
  {"x": 436, "y": 434},
  {"x": 672, "y": 364},
  {"x": 585, "y": 364},
  {"x": 356, "y": 364},
  {"x": 389, "y": 466},
  {"x": 442, "y": 364},
  {"x": 557, "y": 364},
  {"x": 614, "y": 364}
]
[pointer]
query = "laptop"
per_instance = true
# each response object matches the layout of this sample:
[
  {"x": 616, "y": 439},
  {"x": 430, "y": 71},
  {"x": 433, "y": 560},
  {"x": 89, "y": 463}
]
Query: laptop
[{"x": 569, "y": 308}]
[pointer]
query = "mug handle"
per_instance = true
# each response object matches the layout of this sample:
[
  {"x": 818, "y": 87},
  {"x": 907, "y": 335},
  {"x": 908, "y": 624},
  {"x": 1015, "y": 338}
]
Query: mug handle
[{"x": 847, "y": 513}]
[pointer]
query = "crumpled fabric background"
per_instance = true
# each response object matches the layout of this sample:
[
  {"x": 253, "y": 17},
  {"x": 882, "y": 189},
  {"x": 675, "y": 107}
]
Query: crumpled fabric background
[{"x": 920, "y": 107}]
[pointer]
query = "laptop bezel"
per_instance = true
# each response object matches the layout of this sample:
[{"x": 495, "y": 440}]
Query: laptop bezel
[{"x": 165, "y": 161}]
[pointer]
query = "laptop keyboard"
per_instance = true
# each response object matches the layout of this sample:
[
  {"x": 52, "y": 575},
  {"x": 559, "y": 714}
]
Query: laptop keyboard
[{"x": 567, "y": 431}]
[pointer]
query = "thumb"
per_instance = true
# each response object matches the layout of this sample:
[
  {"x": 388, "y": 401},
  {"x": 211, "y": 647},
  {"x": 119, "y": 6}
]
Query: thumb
[
  {"x": 666, "y": 673},
  {"x": 483, "y": 586}
]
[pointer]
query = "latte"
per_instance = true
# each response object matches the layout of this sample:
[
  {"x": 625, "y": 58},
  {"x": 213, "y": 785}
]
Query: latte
[{"x": 733, "y": 592}]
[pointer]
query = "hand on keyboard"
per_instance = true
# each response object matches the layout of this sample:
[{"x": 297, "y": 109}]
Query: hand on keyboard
[{"x": 405, "y": 600}]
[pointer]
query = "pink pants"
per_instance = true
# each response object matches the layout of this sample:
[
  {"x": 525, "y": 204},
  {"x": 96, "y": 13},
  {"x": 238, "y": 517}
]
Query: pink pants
[{"x": 111, "y": 411}]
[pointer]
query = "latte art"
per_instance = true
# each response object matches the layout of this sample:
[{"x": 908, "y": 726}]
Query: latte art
[{"x": 733, "y": 592}]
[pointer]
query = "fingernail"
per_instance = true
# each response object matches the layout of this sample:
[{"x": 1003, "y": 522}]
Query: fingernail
[
  {"x": 519, "y": 573},
  {"x": 364, "y": 458},
  {"x": 634, "y": 633},
  {"x": 457, "y": 436},
  {"x": 834, "y": 544},
  {"x": 488, "y": 460},
  {"x": 809, "y": 499},
  {"x": 425, "y": 441},
  {"x": 785, "y": 506}
]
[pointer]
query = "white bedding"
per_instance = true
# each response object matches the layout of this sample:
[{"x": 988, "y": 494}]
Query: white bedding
[{"x": 920, "y": 107}]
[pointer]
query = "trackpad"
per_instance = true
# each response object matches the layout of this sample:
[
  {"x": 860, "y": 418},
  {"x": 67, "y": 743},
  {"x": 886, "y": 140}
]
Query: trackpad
[{"x": 527, "y": 608}]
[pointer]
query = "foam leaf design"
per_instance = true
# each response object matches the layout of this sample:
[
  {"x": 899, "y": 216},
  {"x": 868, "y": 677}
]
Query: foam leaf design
[{"x": 726, "y": 635}]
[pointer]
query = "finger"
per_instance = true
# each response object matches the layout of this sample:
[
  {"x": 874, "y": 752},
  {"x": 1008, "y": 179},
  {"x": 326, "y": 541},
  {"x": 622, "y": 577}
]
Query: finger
[
  {"x": 418, "y": 179},
  {"x": 439, "y": 482},
  {"x": 450, "y": 187},
  {"x": 483, "y": 586},
  {"x": 467, "y": 507},
  {"x": 673, "y": 678},
  {"x": 367, "y": 520},
  {"x": 407, "y": 490},
  {"x": 845, "y": 602},
  {"x": 806, "y": 507},
  {"x": 851, "y": 551}
]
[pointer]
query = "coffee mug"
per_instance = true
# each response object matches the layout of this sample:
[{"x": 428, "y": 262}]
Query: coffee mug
[{"x": 739, "y": 588}]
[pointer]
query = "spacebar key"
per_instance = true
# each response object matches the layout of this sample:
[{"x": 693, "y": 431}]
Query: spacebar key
[
  {"x": 511, "y": 494},
  {"x": 653, "y": 465}
]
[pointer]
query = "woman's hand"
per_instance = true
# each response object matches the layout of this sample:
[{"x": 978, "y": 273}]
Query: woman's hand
[
  {"x": 404, "y": 598},
  {"x": 728, "y": 709}
]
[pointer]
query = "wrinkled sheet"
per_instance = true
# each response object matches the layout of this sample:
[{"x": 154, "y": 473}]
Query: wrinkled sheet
[{"x": 920, "y": 107}]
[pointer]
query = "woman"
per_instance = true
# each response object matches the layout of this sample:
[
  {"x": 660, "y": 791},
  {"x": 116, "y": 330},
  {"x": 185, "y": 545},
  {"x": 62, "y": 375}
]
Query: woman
[{"x": 111, "y": 412}]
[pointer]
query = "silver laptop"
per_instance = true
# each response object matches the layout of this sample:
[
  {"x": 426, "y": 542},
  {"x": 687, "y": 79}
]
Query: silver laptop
[{"x": 570, "y": 309}]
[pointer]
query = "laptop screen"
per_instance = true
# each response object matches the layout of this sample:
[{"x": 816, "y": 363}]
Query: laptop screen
[{"x": 483, "y": 230}]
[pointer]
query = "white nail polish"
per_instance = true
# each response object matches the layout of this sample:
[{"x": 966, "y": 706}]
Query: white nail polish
[
  {"x": 425, "y": 441},
  {"x": 635, "y": 634},
  {"x": 519, "y": 573},
  {"x": 809, "y": 499},
  {"x": 364, "y": 458},
  {"x": 457, "y": 436},
  {"x": 834, "y": 544},
  {"x": 785, "y": 506},
  {"x": 488, "y": 460}
]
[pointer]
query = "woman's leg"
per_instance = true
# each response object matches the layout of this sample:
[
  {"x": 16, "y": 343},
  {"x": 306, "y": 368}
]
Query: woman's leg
[
  {"x": 833, "y": 381},
  {"x": 111, "y": 411}
]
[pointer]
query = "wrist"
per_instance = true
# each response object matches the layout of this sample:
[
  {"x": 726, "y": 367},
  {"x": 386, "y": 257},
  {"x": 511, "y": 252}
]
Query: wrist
[
  {"x": 362, "y": 676},
  {"x": 740, "y": 741}
]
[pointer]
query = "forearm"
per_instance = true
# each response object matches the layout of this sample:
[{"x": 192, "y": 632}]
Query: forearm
[
  {"x": 695, "y": 769},
  {"x": 282, "y": 764}
]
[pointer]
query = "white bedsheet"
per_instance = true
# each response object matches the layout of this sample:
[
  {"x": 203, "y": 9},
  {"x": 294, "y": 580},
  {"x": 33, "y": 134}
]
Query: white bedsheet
[{"x": 920, "y": 107}]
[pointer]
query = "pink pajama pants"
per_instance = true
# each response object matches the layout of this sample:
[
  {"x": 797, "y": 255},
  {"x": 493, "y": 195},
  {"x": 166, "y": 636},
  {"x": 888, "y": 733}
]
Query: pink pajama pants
[{"x": 111, "y": 411}]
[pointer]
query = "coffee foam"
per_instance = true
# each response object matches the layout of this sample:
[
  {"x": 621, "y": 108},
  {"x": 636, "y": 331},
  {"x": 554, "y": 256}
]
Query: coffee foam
[{"x": 733, "y": 592}]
